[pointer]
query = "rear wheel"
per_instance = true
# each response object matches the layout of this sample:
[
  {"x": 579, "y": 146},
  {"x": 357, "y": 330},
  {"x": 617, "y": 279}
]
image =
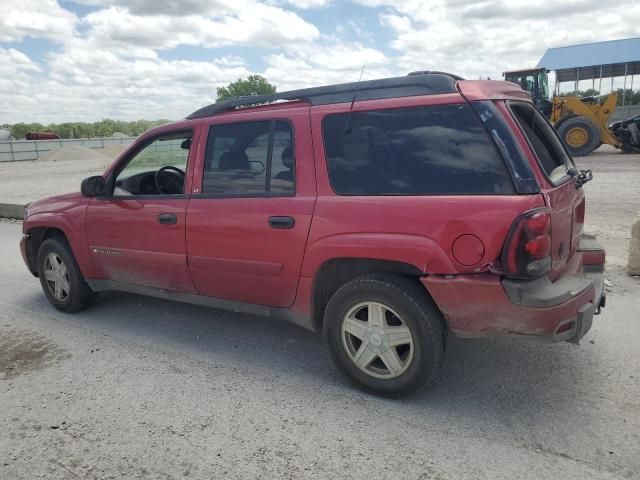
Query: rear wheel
[
  {"x": 580, "y": 134},
  {"x": 385, "y": 334},
  {"x": 60, "y": 277}
]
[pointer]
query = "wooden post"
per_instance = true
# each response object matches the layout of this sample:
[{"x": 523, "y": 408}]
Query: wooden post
[{"x": 633, "y": 267}]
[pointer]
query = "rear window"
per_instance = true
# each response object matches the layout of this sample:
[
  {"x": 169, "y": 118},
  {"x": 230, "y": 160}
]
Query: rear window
[
  {"x": 442, "y": 149},
  {"x": 544, "y": 141}
]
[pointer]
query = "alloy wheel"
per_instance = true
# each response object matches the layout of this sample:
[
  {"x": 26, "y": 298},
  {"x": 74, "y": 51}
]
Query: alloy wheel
[
  {"x": 57, "y": 277},
  {"x": 377, "y": 340}
]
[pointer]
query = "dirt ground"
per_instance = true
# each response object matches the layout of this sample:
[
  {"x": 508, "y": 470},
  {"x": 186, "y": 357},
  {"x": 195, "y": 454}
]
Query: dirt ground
[
  {"x": 143, "y": 388},
  {"x": 613, "y": 201},
  {"x": 24, "y": 182}
]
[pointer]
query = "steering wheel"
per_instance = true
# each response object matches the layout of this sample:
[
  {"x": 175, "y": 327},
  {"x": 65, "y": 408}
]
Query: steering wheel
[{"x": 171, "y": 179}]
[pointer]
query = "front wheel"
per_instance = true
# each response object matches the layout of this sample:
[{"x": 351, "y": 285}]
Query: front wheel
[
  {"x": 60, "y": 277},
  {"x": 580, "y": 134},
  {"x": 385, "y": 334}
]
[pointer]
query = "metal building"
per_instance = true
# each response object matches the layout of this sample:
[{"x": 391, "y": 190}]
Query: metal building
[{"x": 595, "y": 61}]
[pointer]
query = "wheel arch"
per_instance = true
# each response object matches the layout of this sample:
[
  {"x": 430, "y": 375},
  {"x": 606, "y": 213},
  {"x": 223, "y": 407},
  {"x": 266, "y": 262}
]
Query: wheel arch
[
  {"x": 37, "y": 235},
  {"x": 41, "y": 226},
  {"x": 335, "y": 272}
]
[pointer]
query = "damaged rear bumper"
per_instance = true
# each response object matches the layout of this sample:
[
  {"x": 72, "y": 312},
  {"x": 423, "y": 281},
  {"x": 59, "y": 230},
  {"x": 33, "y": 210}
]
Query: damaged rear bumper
[{"x": 561, "y": 310}]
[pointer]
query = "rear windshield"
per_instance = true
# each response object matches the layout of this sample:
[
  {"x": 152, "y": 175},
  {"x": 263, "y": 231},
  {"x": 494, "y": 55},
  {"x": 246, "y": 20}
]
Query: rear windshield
[
  {"x": 547, "y": 146},
  {"x": 440, "y": 149}
]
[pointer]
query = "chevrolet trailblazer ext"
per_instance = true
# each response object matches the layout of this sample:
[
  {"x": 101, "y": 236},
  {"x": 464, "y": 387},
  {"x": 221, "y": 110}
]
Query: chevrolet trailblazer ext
[{"x": 384, "y": 214}]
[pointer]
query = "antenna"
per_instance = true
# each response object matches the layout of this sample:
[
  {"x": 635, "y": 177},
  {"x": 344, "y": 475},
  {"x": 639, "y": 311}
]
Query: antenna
[{"x": 347, "y": 128}]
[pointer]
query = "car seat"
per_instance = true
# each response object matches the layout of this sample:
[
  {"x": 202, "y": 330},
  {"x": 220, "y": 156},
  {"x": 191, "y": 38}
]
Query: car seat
[
  {"x": 232, "y": 160},
  {"x": 287, "y": 161}
]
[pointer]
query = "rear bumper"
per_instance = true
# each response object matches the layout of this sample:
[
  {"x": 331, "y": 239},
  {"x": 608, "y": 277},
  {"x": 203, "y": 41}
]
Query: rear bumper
[{"x": 485, "y": 305}]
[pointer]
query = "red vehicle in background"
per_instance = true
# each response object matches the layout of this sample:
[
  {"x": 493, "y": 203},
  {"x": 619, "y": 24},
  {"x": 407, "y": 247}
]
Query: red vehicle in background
[
  {"x": 41, "y": 136},
  {"x": 383, "y": 214}
]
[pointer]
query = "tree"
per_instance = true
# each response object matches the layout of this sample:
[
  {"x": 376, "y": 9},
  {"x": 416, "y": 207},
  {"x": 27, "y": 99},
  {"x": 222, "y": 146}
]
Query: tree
[
  {"x": 103, "y": 128},
  {"x": 253, "y": 85}
]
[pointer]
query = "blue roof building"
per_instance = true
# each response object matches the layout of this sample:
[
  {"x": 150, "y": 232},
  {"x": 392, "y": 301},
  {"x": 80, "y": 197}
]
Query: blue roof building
[{"x": 614, "y": 58}]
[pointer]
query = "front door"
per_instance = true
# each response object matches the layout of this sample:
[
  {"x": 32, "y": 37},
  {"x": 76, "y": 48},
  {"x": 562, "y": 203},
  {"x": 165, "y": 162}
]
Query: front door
[
  {"x": 136, "y": 235},
  {"x": 251, "y": 208}
]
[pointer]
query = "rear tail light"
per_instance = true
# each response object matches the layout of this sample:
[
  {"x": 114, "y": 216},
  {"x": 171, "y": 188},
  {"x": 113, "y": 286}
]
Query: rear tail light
[{"x": 527, "y": 251}]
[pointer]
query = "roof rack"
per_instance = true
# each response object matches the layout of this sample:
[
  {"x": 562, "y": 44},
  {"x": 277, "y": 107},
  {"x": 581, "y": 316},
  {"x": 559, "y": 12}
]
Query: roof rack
[{"x": 414, "y": 84}]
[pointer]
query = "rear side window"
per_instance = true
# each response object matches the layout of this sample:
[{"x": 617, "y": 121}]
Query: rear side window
[
  {"x": 442, "y": 149},
  {"x": 249, "y": 159},
  {"x": 544, "y": 141}
]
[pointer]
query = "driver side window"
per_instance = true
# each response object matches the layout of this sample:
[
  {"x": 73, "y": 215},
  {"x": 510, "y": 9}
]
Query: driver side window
[{"x": 158, "y": 169}]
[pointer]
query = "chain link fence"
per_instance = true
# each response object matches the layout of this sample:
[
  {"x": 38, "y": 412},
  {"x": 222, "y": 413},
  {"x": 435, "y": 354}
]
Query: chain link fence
[
  {"x": 19, "y": 150},
  {"x": 622, "y": 113}
]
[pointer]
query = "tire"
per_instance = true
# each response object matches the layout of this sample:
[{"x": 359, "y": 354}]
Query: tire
[
  {"x": 404, "y": 305},
  {"x": 74, "y": 294},
  {"x": 580, "y": 134}
]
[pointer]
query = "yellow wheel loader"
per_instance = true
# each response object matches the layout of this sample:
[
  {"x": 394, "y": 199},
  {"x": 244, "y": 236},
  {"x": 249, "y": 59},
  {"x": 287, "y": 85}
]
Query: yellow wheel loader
[{"x": 580, "y": 122}]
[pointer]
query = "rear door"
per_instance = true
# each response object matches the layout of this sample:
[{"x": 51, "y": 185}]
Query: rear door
[
  {"x": 252, "y": 201},
  {"x": 566, "y": 201}
]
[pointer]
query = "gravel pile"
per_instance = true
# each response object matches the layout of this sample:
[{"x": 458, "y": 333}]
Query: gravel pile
[{"x": 74, "y": 152}]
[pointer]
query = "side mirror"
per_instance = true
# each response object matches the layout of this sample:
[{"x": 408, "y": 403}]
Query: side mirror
[{"x": 93, "y": 186}]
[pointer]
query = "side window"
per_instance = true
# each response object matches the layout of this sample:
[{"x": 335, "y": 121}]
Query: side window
[
  {"x": 158, "y": 169},
  {"x": 441, "y": 149},
  {"x": 543, "y": 139},
  {"x": 282, "y": 164},
  {"x": 249, "y": 159}
]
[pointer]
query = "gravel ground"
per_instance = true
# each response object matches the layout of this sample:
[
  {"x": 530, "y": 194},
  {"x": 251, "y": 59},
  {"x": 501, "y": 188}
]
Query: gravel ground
[
  {"x": 142, "y": 388},
  {"x": 24, "y": 182}
]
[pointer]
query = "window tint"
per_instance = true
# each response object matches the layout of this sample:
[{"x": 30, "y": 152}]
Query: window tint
[
  {"x": 544, "y": 140},
  {"x": 282, "y": 167},
  {"x": 140, "y": 175},
  {"x": 440, "y": 149},
  {"x": 249, "y": 158}
]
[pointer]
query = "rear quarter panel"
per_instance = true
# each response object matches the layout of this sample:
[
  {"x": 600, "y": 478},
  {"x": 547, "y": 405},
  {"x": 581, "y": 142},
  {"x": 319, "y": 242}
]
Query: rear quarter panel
[{"x": 418, "y": 230}]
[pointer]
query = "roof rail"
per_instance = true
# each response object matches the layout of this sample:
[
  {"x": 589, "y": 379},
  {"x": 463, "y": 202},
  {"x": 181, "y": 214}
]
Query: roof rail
[
  {"x": 414, "y": 84},
  {"x": 435, "y": 72}
]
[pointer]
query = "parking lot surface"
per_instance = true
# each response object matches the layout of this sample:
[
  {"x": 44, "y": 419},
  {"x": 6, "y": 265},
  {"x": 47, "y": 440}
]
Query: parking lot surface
[{"x": 143, "y": 388}]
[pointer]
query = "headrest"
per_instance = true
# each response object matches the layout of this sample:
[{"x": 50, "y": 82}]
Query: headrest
[
  {"x": 234, "y": 161},
  {"x": 287, "y": 157}
]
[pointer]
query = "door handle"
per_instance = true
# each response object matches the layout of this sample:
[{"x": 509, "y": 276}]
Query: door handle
[
  {"x": 168, "y": 218},
  {"x": 282, "y": 222}
]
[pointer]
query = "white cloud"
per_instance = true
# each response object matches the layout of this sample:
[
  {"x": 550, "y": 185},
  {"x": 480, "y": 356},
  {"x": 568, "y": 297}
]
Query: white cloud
[
  {"x": 489, "y": 37},
  {"x": 314, "y": 65},
  {"x": 304, "y": 4},
  {"x": 18, "y": 74},
  {"x": 166, "y": 7},
  {"x": 258, "y": 26},
  {"x": 36, "y": 18},
  {"x": 113, "y": 62}
]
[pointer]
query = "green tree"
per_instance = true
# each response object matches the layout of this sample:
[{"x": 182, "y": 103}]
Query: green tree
[
  {"x": 632, "y": 97},
  {"x": 253, "y": 85},
  {"x": 581, "y": 93},
  {"x": 103, "y": 128}
]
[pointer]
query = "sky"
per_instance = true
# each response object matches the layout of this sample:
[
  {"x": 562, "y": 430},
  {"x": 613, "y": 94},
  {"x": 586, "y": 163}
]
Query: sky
[{"x": 85, "y": 60}]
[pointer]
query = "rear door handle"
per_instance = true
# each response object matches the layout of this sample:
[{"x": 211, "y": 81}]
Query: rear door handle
[
  {"x": 282, "y": 222},
  {"x": 168, "y": 218}
]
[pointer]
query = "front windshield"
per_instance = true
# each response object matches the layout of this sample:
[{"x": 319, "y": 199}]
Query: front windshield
[{"x": 543, "y": 87}]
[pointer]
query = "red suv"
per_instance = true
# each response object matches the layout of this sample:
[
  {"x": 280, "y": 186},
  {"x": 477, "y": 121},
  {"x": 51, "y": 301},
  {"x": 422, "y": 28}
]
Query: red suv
[{"x": 383, "y": 214}]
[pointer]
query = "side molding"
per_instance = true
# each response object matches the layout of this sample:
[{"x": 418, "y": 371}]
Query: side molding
[{"x": 212, "y": 302}]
